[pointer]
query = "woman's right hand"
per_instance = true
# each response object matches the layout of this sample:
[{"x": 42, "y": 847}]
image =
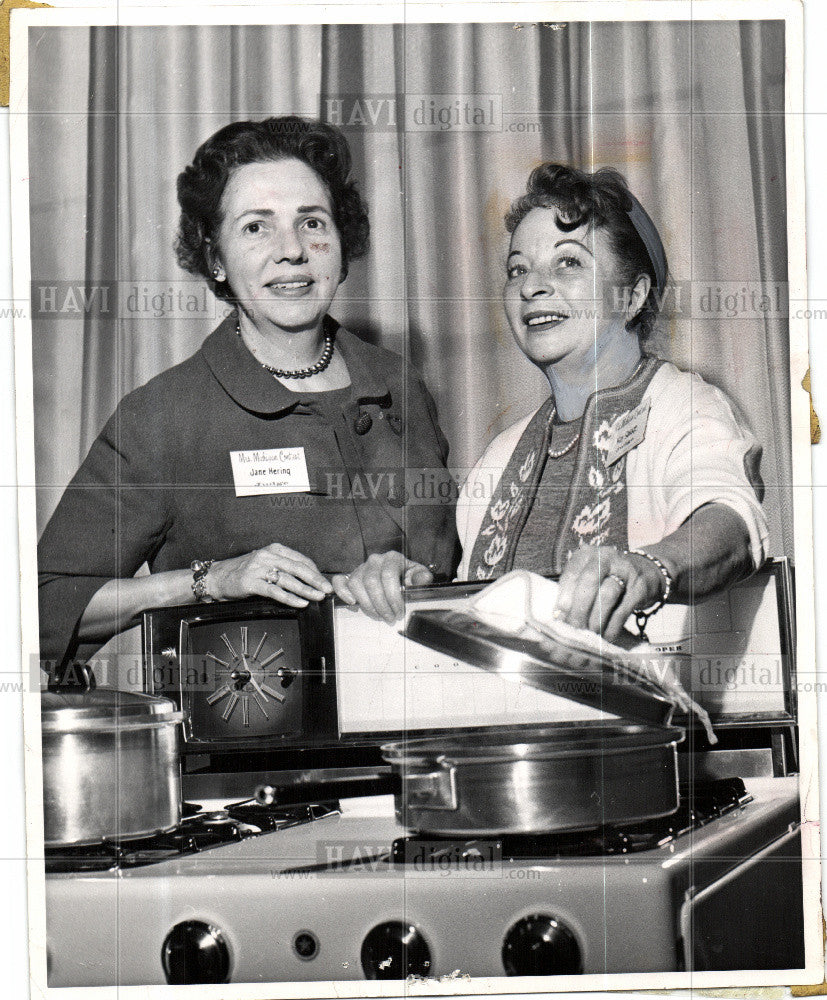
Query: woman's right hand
[
  {"x": 376, "y": 586},
  {"x": 276, "y": 571}
]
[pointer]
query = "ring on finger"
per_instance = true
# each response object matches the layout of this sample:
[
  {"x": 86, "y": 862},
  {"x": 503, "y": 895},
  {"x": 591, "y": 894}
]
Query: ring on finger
[
  {"x": 273, "y": 576},
  {"x": 618, "y": 580}
]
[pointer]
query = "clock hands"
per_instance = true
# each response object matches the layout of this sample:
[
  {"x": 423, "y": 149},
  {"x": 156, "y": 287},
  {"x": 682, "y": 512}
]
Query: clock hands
[
  {"x": 241, "y": 670},
  {"x": 257, "y": 700},
  {"x": 261, "y": 688}
]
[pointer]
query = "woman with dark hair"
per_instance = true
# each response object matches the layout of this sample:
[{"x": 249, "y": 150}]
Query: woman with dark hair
[
  {"x": 634, "y": 482},
  {"x": 273, "y": 461}
]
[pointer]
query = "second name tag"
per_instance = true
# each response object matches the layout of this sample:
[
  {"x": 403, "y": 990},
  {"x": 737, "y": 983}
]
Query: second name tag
[
  {"x": 628, "y": 430},
  {"x": 272, "y": 470}
]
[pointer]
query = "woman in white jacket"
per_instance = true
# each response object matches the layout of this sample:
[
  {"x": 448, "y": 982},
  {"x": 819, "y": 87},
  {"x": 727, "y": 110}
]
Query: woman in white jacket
[{"x": 634, "y": 481}]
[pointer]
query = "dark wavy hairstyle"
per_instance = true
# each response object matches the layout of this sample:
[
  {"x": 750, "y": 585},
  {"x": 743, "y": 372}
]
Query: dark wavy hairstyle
[
  {"x": 602, "y": 200},
  {"x": 201, "y": 185}
]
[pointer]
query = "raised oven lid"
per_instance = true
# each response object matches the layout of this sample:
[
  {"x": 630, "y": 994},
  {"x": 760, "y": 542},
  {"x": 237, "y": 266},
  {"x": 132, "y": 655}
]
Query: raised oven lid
[
  {"x": 499, "y": 630},
  {"x": 545, "y": 663}
]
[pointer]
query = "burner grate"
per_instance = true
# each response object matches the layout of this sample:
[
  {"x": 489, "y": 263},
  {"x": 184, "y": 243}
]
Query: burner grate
[{"x": 198, "y": 831}]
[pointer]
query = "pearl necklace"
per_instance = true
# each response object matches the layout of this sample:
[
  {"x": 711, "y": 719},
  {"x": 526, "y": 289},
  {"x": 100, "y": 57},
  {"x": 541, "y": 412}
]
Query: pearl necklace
[
  {"x": 566, "y": 450},
  {"x": 317, "y": 368},
  {"x": 568, "y": 447}
]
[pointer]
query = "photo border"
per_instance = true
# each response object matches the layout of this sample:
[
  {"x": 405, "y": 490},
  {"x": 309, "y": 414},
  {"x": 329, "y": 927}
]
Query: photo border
[{"x": 376, "y": 13}]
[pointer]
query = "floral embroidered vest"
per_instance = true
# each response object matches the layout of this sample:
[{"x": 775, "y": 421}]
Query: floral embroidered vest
[{"x": 596, "y": 511}]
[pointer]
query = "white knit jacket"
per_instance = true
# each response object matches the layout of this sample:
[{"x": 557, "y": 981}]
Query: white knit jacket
[{"x": 695, "y": 452}]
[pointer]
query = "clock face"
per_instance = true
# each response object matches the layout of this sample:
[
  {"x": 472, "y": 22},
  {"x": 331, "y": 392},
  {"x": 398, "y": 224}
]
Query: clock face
[{"x": 243, "y": 679}]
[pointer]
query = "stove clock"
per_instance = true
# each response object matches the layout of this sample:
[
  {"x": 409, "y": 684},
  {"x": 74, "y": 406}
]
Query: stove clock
[
  {"x": 245, "y": 676},
  {"x": 245, "y": 673},
  {"x": 243, "y": 679}
]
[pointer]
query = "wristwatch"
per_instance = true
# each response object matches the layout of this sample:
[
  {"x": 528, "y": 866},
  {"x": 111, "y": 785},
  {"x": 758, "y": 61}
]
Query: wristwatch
[{"x": 200, "y": 568}]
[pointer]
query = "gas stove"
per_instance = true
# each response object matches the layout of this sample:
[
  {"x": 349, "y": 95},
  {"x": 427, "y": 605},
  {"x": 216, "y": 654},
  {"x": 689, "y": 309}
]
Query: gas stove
[
  {"x": 249, "y": 894},
  {"x": 329, "y": 885}
]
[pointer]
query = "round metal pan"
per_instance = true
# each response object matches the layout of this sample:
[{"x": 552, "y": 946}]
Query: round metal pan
[{"x": 555, "y": 778}]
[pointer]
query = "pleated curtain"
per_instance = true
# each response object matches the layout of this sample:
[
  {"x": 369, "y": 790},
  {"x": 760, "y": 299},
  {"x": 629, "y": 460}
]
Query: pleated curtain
[{"x": 690, "y": 112}]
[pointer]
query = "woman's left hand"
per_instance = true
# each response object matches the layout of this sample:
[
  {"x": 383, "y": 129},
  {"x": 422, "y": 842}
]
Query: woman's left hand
[
  {"x": 376, "y": 585},
  {"x": 602, "y": 586}
]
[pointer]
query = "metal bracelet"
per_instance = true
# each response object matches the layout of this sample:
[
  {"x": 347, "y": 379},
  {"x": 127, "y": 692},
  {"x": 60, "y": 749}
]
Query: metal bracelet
[
  {"x": 668, "y": 583},
  {"x": 200, "y": 568}
]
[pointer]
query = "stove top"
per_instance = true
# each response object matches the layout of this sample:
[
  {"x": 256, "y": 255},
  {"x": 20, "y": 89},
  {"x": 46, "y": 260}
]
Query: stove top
[{"x": 202, "y": 829}]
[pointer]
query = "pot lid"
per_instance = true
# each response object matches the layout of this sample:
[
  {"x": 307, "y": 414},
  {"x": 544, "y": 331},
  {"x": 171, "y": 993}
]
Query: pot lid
[
  {"x": 545, "y": 662},
  {"x": 97, "y": 708}
]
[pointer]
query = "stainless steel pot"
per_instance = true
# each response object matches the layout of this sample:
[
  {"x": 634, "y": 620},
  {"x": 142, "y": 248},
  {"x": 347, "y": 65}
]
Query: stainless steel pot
[
  {"x": 110, "y": 765},
  {"x": 550, "y": 778}
]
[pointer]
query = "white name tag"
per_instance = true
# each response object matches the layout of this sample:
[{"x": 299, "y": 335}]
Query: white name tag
[
  {"x": 272, "y": 470},
  {"x": 628, "y": 430}
]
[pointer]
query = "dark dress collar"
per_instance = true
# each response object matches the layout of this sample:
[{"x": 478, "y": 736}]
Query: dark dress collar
[{"x": 243, "y": 378}]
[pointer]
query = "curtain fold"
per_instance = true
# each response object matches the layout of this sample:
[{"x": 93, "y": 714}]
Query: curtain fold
[
  {"x": 99, "y": 393},
  {"x": 764, "y": 100},
  {"x": 58, "y": 120},
  {"x": 690, "y": 112},
  {"x": 359, "y": 77}
]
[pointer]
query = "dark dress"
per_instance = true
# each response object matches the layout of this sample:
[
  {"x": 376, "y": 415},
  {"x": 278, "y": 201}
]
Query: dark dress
[{"x": 157, "y": 484}]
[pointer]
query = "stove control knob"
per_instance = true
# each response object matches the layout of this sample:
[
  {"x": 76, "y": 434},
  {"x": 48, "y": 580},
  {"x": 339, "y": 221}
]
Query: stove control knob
[
  {"x": 195, "y": 952},
  {"x": 395, "y": 950},
  {"x": 540, "y": 945}
]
